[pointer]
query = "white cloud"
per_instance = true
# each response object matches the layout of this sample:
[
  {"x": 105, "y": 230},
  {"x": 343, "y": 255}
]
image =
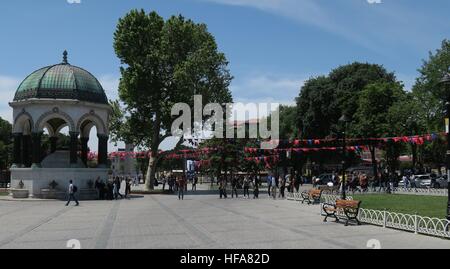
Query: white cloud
[
  {"x": 110, "y": 84},
  {"x": 374, "y": 2},
  {"x": 263, "y": 88},
  {"x": 305, "y": 11},
  {"x": 267, "y": 88}
]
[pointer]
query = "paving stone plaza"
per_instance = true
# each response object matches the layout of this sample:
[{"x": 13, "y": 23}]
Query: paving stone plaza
[{"x": 201, "y": 220}]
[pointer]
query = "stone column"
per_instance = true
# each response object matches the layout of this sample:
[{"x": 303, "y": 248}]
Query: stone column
[
  {"x": 84, "y": 149},
  {"x": 73, "y": 148},
  {"x": 53, "y": 141},
  {"x": 102, "y": 150},
  {"x": 17, "y": 156},
  {"x": 26, "y": 150},
  {"x": 36, "y": 154}
]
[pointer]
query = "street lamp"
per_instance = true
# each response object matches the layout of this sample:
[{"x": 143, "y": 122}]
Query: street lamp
[
  {"x": 446, "y": 84},
  {"x": 344, "y": 120}
]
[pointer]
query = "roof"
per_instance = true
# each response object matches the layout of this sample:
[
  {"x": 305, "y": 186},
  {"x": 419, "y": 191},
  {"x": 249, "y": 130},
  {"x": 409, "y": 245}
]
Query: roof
[{"x": 61, "y": 81}]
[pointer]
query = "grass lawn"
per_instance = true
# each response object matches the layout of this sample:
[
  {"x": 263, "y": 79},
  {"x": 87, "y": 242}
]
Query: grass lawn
[
  {"x": 429, "y": 206},
  {"x": 4, "y": 193}
]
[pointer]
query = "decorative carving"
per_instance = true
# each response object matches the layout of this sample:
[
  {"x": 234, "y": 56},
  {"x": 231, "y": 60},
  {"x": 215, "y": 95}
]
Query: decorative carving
[{"x": 53, "y": 185}]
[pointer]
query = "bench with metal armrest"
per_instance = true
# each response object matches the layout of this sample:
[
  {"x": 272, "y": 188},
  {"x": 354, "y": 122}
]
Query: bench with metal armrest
[
  {"x": 343, "y": 209},
  {"x": 312, "y": 196}
]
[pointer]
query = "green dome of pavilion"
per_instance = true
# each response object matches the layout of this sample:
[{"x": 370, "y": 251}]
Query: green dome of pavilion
[{"x": 61, "y": 81}]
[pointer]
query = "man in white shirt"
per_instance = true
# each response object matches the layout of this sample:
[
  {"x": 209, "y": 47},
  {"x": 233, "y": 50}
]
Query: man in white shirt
[{"x": 72, "y": 191}]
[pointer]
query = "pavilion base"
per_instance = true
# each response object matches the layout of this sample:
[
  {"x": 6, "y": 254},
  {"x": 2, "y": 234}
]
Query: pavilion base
[{"x": 37, "y": 181}]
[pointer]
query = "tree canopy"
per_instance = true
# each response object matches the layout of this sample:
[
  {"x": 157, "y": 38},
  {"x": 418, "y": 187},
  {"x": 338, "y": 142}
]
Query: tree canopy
[
  {"x": 164, "y": 62},
  {"x": 5, "y": 143}
]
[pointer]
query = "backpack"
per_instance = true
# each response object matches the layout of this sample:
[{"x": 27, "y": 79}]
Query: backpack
[{"x": 74, "y": 189}]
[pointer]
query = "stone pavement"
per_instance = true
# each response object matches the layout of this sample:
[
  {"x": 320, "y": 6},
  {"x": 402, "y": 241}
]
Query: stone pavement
[{"x": 202, "y": 220}]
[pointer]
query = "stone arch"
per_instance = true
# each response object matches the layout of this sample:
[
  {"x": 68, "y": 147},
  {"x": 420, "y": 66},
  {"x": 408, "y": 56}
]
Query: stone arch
[
  {"x": 51, "y": 131},
  {"x": 21, "y": 120},
  {"x": 95, "y": 120},
  {"x": 55, "y": 113}
]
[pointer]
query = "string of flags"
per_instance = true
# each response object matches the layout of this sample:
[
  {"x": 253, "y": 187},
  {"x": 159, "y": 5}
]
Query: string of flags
[
  {"x": 298, "y": 145},
  {"x": 261, "y": 151},
  {"x": 415, "y": 139}
]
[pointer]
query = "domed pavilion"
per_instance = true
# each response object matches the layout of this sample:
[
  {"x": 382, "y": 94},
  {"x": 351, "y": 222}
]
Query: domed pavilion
[{"x": 52, "y": 98}]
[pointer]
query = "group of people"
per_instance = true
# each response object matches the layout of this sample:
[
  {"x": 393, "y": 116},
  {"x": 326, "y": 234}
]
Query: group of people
[
  {"x": 110, "y": 190},
  {"x": 246, "y": 182},
  {"x": 276, "y": 185}
]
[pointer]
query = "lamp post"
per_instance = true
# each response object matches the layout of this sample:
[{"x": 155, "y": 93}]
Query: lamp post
[
  {"x": 344, "y": 120},
  {"x": 446, "y": 84}
]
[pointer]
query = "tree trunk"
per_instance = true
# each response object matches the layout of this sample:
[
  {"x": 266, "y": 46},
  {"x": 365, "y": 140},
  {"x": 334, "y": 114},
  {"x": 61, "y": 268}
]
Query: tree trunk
[
  {"x": 374, "y": 161},
  {"x": 150, "y": 176},
  {"x": 414, "y": 154}
]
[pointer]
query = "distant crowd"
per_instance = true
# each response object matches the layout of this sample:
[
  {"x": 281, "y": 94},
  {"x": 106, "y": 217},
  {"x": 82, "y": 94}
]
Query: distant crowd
[{"x": 111, "y": 189}]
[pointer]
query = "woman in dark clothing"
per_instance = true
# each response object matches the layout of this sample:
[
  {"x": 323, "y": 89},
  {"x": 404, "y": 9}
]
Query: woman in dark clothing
[{"x": 256, "y": 188}]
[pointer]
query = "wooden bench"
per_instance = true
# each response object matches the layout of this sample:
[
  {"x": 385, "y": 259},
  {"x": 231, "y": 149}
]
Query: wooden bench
[
  {"x": 347, "y": 209},
  {"x": 312, "y": 196}
]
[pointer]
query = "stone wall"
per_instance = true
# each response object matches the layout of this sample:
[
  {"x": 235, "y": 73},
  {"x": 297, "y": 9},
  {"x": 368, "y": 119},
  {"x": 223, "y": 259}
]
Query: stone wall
[{"x": 36, "y": 179}]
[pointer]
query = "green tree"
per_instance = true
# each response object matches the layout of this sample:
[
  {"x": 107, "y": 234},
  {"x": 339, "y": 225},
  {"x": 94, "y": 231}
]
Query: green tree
[
  {"x": 164, "y": 63},
  {"x": 430, "y": 97},
  {"x": 372, "y": 117},
  {"x": 349, "y": 80},
  {"x": 288, "y": 117},
  {"x": 5, "y": 143},
  {"x": 324, "y": 99},
  {"x": 316, "y": 108}
]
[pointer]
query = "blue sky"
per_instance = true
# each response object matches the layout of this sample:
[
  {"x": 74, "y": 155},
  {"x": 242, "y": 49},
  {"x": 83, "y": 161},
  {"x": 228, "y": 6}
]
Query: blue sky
[{"x": 272, "y": 45}]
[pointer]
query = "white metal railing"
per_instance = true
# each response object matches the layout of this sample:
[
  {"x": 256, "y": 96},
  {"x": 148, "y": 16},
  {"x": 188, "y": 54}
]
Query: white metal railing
[
  {"x": 412, "y": 223},
  {"x": 325, "y": 198}
]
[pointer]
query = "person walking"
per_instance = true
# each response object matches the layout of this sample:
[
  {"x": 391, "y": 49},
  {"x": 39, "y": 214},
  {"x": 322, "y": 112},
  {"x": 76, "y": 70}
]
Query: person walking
[
  {"x": 256, "y": 188},
  {"x": 72, "y": 191},
  {"x": 98, "y": 187},
  {"x": 273, "y": 184},
  {"x": 127, "y": 187},
  {"x": 234, "y": 183},
  {"x": 194, "y": 183},
  {"x": 163, "y": 181},
  {"x": 181, "y": 185},
  {"x": 222, "y": 188},
  {"x": 282, "y": 183},
  {"x": 117, "y": 192},
  {"x": 246, "y": 184},
  {"x": 269, "y": 184}
]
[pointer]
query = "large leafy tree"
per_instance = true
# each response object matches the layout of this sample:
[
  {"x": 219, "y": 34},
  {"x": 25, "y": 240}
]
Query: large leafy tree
[
  {"x": 5, "y": 143},
  {"x": 324, "y": 99},
  {"x": 430, "y": 96},
  {"x": 164, "y": 62},
  {"x": 406, "y": 117},
  {"x": 428, "y": 89},
  {"x": 349, "y": 80},
  {"x": 317, "y": 108},
  {"x": 373, "y": 116},
  {"x": 288, "y": 117}
]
